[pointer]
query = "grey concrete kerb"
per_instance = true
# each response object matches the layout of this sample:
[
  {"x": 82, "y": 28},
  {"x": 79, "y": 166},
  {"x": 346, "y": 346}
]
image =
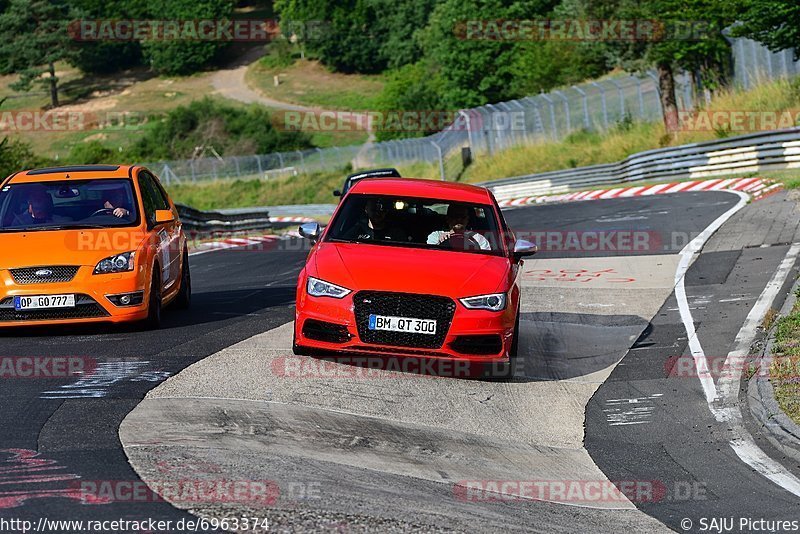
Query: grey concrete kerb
[{"x": 781, "y": 430}]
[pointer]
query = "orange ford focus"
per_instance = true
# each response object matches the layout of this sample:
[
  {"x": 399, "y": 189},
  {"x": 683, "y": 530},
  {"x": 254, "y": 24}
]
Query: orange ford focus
[{"x": 89, "y": 243}]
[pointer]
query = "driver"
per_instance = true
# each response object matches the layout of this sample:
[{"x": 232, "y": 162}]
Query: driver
[
  {"x": 115, "y": 201},
  {"x": 457, "y": 221}
]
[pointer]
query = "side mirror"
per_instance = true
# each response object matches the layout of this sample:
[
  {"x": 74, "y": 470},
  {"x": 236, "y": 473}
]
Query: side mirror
[
  {"x": 164, "y": 216},
  {"x": 337, "y": 193},
  {"x": 310, "y": 231},
  {"x": 524, "y": 248}
]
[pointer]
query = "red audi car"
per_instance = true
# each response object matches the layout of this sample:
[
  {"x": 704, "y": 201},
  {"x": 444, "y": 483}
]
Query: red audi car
[{"x": 411, "y": 267}]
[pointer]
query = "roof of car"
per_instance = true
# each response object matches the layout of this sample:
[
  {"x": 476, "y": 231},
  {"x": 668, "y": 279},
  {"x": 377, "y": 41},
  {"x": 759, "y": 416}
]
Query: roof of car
[
  {"x": 74, "y": 172},
  {"x": 417, "y": 187}
]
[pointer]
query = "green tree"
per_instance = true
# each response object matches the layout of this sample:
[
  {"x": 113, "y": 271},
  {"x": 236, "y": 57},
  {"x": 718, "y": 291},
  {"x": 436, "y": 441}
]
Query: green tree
[
  {"x": 184, "y": 56},
  {"x": 687, "y": 35},
  {"x": 476, "y": 71},
  {"x": 342, "y": 33},
  {"x": 33, "y": 37},
  {"x": 103, "y": 57},
  {"x": 412, "y": 87},
  {"x": 775, "y": 23}
]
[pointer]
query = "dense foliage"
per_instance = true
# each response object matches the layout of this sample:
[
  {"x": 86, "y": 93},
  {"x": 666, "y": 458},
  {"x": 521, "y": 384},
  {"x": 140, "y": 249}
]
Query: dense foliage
[
  {"x": 207, "y": 123},
  {"x": 429, "y": 61}
]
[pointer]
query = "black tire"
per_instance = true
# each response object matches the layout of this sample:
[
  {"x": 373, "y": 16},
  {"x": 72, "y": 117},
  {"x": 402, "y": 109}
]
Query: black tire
[
  {"x": 153, "y": 321},
  {"x": 184, "y": 298},
  {"x": 299, "y": 350},
  {"x": 515, "y": 342}
]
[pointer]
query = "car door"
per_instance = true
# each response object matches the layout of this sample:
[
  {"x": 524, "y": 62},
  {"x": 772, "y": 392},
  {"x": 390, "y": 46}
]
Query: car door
[
  {"x": 174, "y": 230},
  {"x": 164, "y": 232}
]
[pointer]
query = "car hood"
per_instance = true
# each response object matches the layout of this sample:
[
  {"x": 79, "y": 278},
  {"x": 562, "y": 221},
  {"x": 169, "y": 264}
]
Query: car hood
[
  {"x": 360, "y": 266},
  {"x": 65, "y": 247}
]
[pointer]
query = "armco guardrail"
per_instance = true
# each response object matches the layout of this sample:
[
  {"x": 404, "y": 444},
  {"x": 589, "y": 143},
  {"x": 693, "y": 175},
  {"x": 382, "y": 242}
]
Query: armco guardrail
[
  {"x": 218, "y": 222},
  {"x": 773, "y": 150}
]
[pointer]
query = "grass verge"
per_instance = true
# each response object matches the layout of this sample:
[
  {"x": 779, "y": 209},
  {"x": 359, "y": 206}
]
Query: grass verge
[
  {"x": 590, "y": 148},
  {"x": 785, "y": 370},
  {"x": 314, "y": 188},
  {"x": 308, "y": 83}
]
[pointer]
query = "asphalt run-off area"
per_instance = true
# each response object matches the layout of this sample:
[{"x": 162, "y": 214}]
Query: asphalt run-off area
[{"x": 613, "y": 421}]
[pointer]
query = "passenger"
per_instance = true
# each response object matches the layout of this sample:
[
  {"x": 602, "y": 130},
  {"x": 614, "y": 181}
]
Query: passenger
[
  {"x": 457, "y": 222},
  {"x": 376, "y": 225}
]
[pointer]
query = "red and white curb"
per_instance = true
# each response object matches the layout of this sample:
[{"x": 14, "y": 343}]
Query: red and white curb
[
  {"x": 756, "y": 187},
  {"x": 291, "y": 220}
]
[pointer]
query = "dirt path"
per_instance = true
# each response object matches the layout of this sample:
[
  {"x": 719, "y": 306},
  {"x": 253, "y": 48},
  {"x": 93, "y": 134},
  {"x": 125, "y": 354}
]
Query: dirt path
[{"x": 231, "y": 83}]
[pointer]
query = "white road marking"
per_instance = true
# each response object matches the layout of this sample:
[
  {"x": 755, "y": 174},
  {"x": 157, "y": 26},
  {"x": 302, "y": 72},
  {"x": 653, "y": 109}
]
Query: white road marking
[
  {"x": 725, "y": 408},
  {"x": 633, "y": 411}
]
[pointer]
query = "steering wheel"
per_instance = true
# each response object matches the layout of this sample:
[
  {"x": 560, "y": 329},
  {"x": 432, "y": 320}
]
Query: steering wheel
[
  {"x": 102, "y": 210},
  {"x": 461, "y": 241}
]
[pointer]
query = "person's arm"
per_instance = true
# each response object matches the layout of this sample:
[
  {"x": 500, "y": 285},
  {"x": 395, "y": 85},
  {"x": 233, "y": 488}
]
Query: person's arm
[
  {"x": 482, "y": 241},
  {"x": 435, "y": 238}
]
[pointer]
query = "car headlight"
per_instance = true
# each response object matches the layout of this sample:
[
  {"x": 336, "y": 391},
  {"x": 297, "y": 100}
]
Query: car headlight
[
  {"x": 116, "y": 264},
  {"x": 492, "y": 302},
  {"x": 320, "y": 288}
]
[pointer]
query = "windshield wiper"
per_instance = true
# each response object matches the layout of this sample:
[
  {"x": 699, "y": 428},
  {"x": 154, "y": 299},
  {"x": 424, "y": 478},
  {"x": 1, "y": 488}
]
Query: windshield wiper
[{"x": 58, "y": 227}]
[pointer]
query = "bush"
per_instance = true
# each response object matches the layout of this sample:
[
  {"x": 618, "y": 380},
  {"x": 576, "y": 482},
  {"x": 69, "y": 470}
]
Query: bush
[
  {"x": 92, "y": 152},
  {"x": 229, "y": 130},
  {"x": 414, "y": 87},
  {"x": 16, "y": 156}
]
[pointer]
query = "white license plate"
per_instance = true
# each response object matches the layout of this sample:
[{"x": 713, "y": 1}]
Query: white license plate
[
  {"x": 402, "y": 324},
  {"x": 44, "y": 302}
]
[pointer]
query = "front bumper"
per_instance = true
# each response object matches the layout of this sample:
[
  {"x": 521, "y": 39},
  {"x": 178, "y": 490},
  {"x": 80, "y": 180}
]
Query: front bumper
[
  {"x": 92, "y": 303},
  {"x": 468, "y": 332}
]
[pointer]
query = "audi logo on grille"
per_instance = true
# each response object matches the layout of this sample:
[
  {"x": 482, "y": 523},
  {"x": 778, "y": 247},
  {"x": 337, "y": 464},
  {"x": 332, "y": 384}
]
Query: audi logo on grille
[{"x": 43, "y": 273}]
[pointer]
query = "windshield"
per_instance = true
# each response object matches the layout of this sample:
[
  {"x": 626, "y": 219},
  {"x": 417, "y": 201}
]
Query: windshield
[
  {"x": 418, "y": 223},
  {"x": 68, "y": 204}
]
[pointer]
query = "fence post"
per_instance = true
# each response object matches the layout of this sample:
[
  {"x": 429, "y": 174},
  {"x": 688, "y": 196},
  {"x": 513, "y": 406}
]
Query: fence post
[
  {"x": 754, "y": 53},
  {"x": 512, "y": 122},
  {"x": 566, "y": 110},
  {"x": 586, "y": 120},
  {"x": 302, "y": 161},
  {"x": 552, "y": 115},
  {"x": 603, "y": 103},
  {"x": 441, "y": 159},
  {"x": 469, "y": 131},
  {"x": 280, "y": 160},
  {"x": 621, "y": 95},
  {"x": 191, "y": 166},
  {"x": 236, "y": 161},
  {"x": 743, "y": 64},
  {"x": 321, "y": 158},
  {"x": 640, "y": 95},
  {"x": 658, "y": 91}
]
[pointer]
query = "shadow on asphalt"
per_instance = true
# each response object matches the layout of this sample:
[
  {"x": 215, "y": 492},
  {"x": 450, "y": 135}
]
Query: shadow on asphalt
[{"x": 208, "y": 307}]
